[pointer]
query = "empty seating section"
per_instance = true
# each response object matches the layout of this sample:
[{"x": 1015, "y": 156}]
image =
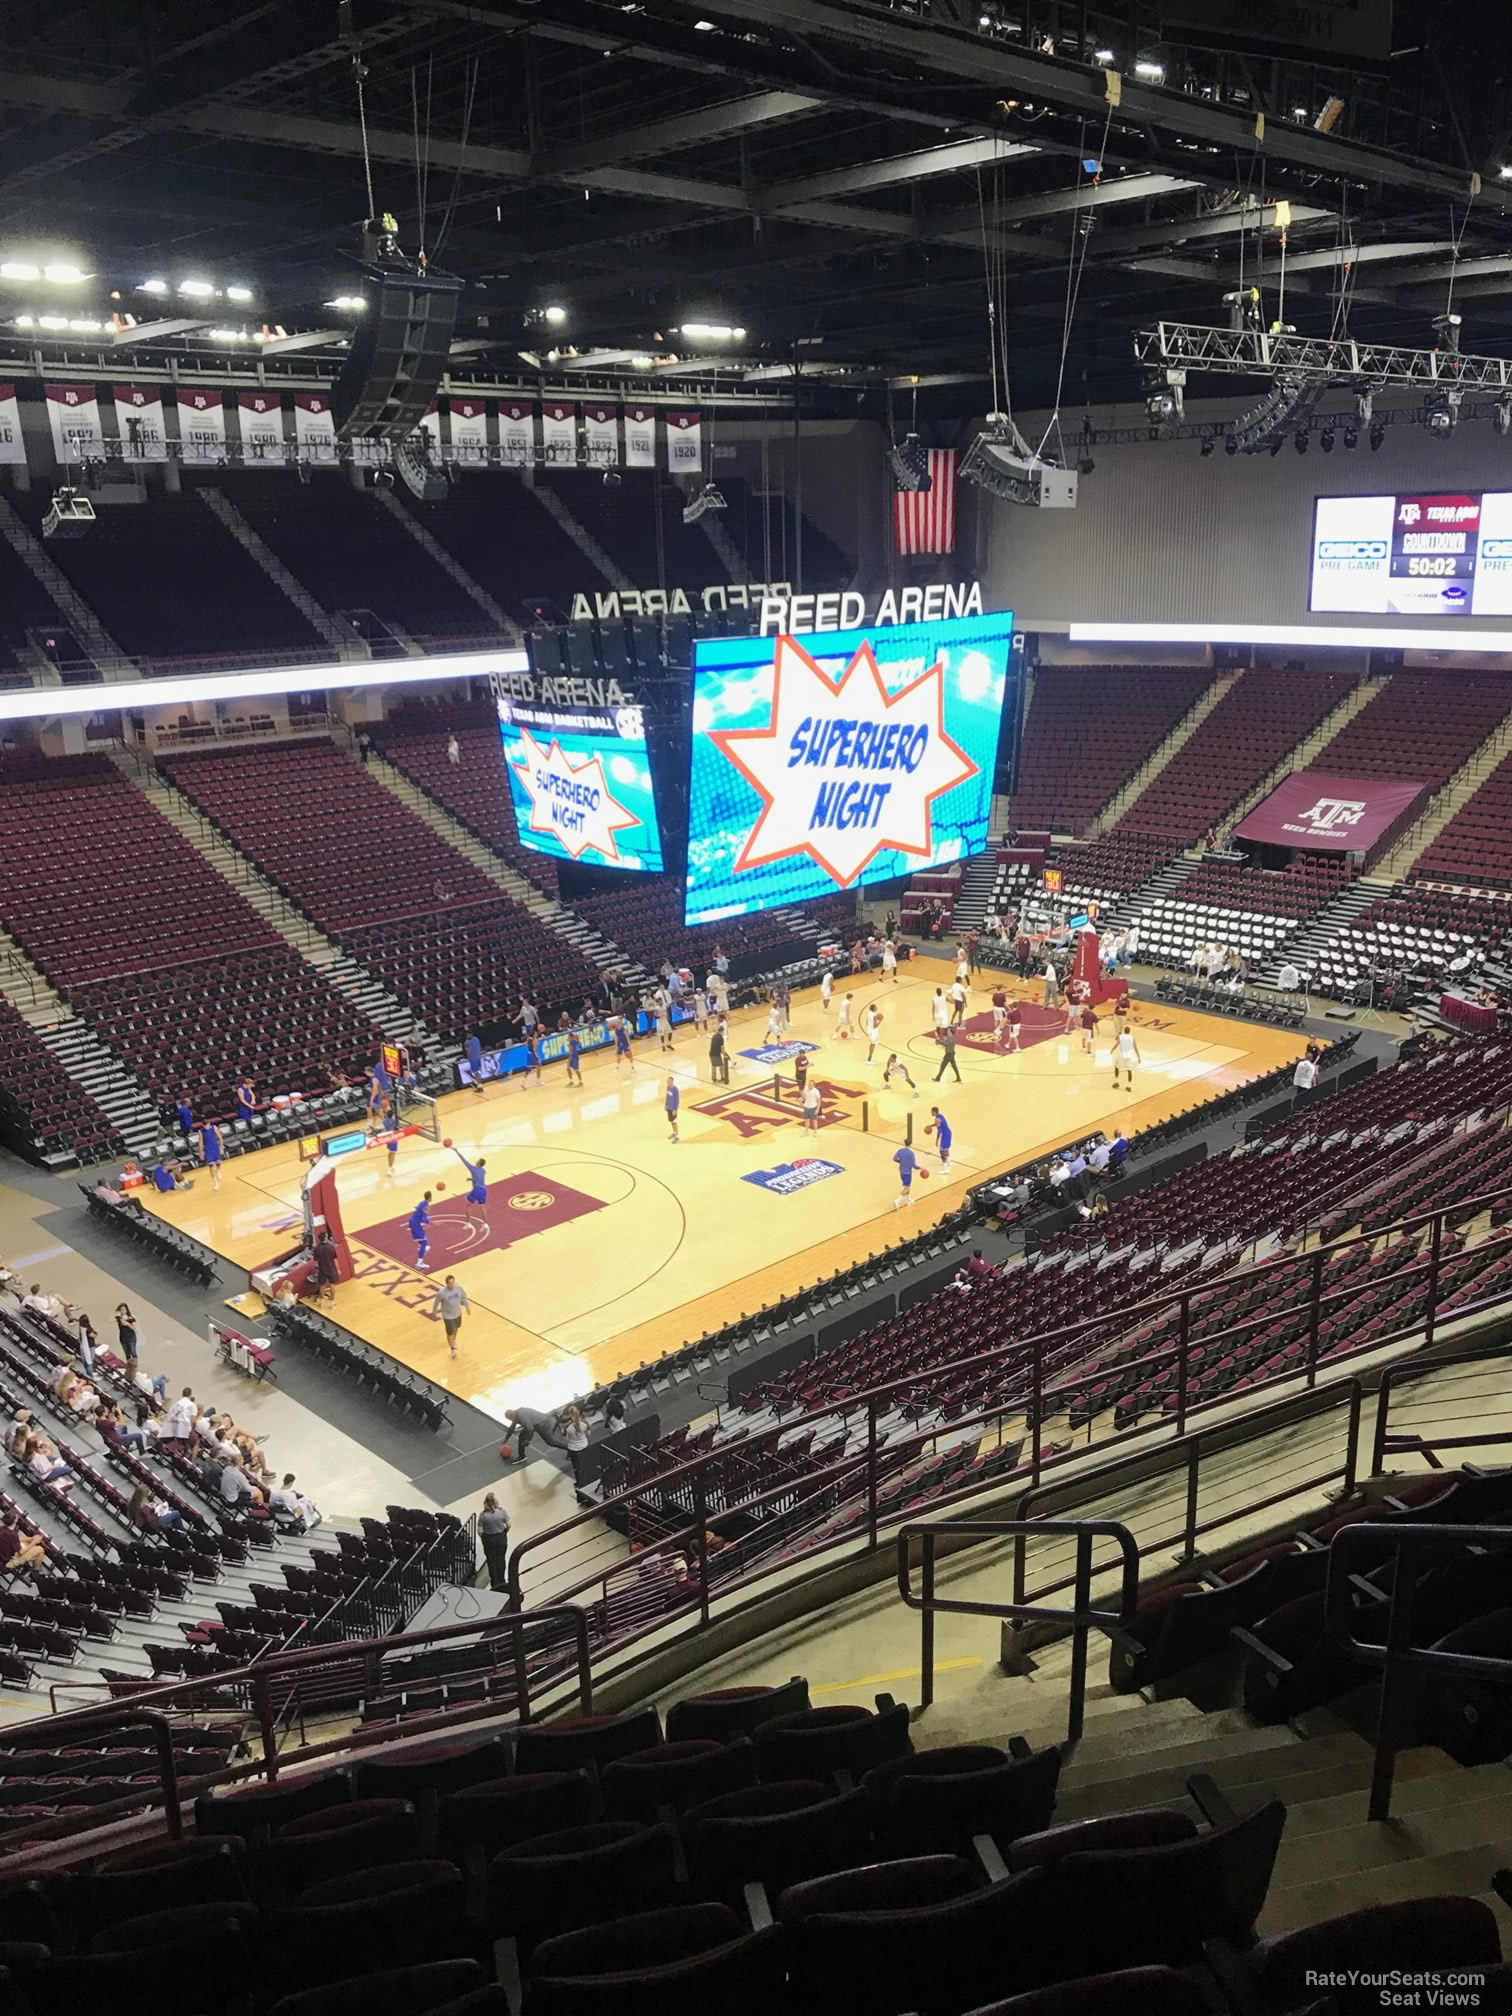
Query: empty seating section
[
  {"x": 351, "y": 553},
  {"x": 1109, "y": 868},
  {"x": 43, "y": 1113},
  {"x": 1425, "y": 725},
  {"x": 474, "y": 790},
  {"x": 767, "y": 529},
  {"x": 180, "y": 976},
  {"x": 1476, "y": 846},
  {"x": 25, "y": 605},
  {"x": 509, "y": 543},
  {"x": 1398, "y": 1151},
  {"x": 1089, "y": 729},
  {"x": 194, "y": 1031},
  {"x": 1434, "y": 934},
  {"x": 427, "y": 923},
  {"x": 640, "y": 526},
  {"x": 645, "y": 918},
  {"x": 95, "y": 884},
  {"x": 1247, "y": 734},
  {"x": 170, "y": 583},
  {"x": 1252, "y": 910}
]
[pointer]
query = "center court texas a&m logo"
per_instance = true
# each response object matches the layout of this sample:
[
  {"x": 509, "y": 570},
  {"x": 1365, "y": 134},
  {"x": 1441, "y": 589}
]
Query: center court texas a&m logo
[{"x": 751, "y": 1113}]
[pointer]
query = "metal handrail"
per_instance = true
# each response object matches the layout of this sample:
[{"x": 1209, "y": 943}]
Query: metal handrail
[
  {"x": 1400, "y": 1663},
  {"x": 1082, "y": 1617},
  {"x": 1127, "y": 1318},
  {"x": 1394, "y": 1375}
]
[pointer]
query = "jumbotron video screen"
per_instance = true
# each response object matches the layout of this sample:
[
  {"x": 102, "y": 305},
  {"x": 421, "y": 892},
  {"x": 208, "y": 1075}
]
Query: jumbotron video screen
[
  {"x": 580, "y": 781},
  {"x": 1445, "y": 553},
  {"x": 837, "y": 758}
]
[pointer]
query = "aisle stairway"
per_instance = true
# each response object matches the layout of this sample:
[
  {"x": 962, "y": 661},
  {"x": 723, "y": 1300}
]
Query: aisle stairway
[
  {"x": 1135, "y": 787},
  {"x": 978, "y": 880},
  {"x": 1164, "y": 883},
  {"x": 1306, "y": 946},
  {"x": 1450, "y": 1831},
  {"x": 397, "y": 1021},
  {"x": 343, "y": 640},
  {"x": 1309, "y": 750},
  {"x": 86, "y": 1060},
  {"x": 1443, "y": 806}
]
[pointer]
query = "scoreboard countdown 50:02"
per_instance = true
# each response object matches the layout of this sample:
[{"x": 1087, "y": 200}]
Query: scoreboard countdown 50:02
[{"x": 1441, "y": 566}]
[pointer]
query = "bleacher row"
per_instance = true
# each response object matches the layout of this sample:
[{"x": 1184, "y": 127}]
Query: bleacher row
[{"x": 754, "y": 1853}]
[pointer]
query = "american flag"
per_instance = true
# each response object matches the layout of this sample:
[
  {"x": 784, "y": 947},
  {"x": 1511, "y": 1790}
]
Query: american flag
[{"x": 924, "y": 521}]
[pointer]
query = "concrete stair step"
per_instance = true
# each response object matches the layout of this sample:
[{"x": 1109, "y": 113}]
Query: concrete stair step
[
  {"x": 1458, "y": 1872},
  {"x": 1476, "y": 1816},
  {"x": 1323, "y": 1768},
  {"x": 1236, "y": 1750}
]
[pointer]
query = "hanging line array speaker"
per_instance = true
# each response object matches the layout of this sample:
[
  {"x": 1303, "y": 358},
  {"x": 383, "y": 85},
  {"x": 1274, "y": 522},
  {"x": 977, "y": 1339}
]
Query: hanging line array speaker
[{"x": 398, "y": 353}]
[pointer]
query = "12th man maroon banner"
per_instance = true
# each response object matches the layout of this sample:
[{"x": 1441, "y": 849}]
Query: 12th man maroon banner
[{"x": 1328, "y": 814}]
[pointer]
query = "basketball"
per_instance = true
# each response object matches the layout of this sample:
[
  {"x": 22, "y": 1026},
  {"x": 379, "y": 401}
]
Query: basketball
[
  {"x": 447, "y": 1142},
  {"x": 506, "y": 1454},
  {"x": 924, "y": 1174},
  {"x": 440, "y": 1186}
]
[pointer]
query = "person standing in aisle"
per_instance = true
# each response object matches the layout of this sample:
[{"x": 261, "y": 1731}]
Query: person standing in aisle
[
  {"x": 673, "y": 1101},
  {"x": 493, "y": 1531},
  {"x": 212, "y": 1151},
  {"x": 948, "y": 1055},
  {"x": 451, "y": 1304}
]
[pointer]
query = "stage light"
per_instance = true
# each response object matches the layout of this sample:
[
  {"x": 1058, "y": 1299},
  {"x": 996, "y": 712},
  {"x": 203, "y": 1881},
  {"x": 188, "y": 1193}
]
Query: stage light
[
  {"x": 1299, "y": 441},
  {"x": 710, "y": 498},
  {"x": 910, "y": 464},
  {"x": 154, "y": 286},
  {"x": 1441, "y": 413},
  {"x": 197, "y": 290},
  {"x": 1161, "y": 406},
  {"x": 1326, "y": 440},
  {"x": 238, "y": 293},
  {"x": 19, "y": 269},
  {"x": 1351, "y": 437},
  {"x": 1505, "y": 173},
  {"x": 25, "y": 322},
  {"x": 640, "y": 362},
  {"x": 555, "y": 313},
  {"x": 711, "y": 332},
  {"x": 1208, "y": 445},
  {"x": 64, "y": 275},
  {"x": 1085, "y": 466},
  {"x": 52, "y": 321},
  {"x": 351, "y": 304},
  {"x": 1377, "y": 435},
  {"x": 1106, "y": 56},
  {"x": 1230, "y": 446},
  {"x": 1145, "y": 67}
]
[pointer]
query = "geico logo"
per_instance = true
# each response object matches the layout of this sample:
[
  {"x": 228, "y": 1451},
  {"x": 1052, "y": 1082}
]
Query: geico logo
[{"x": 1352, "y": 549}]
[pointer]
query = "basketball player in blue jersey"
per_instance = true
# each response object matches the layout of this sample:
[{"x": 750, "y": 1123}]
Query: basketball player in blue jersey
[
  {"x": 575, "y": 1055},
  {"x": 419, "y": 1225},
  {"x": 622, "y": 1050},
  {"x": 477, "y": 1196}
]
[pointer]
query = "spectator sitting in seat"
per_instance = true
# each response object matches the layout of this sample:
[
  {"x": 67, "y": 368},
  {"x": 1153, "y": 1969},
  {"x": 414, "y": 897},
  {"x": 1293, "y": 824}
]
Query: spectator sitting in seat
[
  {"x": 45, "y": 1464},
  {"x": 118, "y": 1433},
  {"x": 36, "y": 1303},
  {"x": 19, "y": 1433},
  {"x": 153, "y": 1515},
  {"x": 291, "y": 1509},
  {"x": 242, "y": 1440},
  {"x": 19, "y": 1550},
  {"x": 72, "y": 1390},
  {"x": 10, "y": 1281},
  {"x": 238, "y": 1489},
  {"x": 1118, "y": 1152},
  {"x": 979, "y": 1267}
]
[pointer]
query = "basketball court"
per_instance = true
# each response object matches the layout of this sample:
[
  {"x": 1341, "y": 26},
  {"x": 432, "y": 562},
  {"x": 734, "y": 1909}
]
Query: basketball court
[{"x": 606, "y": 1243}]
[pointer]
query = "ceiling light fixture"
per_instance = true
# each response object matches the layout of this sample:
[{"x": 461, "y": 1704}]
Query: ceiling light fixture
[
  {"x": 197, "y": 290},
  {"x": 154, "y": 286},
  {"x": 63, "y": 274},
  {"x": 353, "y": 304},
  {"x": 1102, "y": 56},
  {"x": 19, "y": 269},
  {"x": 555, "y": 313},
  {"x": 238, "y": 293},
  {"x": 1146, "y": 67},
  {"x": 711, "y": 332}
]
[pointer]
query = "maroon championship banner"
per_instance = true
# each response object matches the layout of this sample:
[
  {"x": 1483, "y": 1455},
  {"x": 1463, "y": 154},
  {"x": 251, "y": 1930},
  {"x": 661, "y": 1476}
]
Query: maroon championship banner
[{"x": 1329, "y": 814}]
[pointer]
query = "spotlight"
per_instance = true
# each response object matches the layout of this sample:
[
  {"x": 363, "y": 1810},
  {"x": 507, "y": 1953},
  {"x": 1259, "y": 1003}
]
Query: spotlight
[
  {"x": 1085, "y": 466},
  {"x": 1161, "y": 406},
  {"x": 1230, "y": 446},
  {"x": 612, "y": 479},
  {"x": 1326, "y": 440},
  {"x": 1351, "y": 437},
  {"x": 1441, "y": 413},
  {"x": 1501, "y": 416},
  {"x": 910, "y": 463},
  {"x": 1377, "y": 435},
  {"x": 1208, "y": 445},
  {"x": 1299, "y": 440},
  {"x": 710, "y": 498},
  {"x": 69, "y": 516},
  {"x": 1165, "y": 392},
  {"x": 555, "y": 313}
]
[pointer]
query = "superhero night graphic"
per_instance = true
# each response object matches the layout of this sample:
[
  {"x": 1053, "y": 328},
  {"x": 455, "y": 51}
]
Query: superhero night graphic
[{"x": 827, "y": 761}]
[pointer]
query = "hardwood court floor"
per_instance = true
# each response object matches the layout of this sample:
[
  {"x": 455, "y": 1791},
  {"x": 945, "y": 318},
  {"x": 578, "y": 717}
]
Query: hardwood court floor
[{"x": 607, "y": 1244}]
